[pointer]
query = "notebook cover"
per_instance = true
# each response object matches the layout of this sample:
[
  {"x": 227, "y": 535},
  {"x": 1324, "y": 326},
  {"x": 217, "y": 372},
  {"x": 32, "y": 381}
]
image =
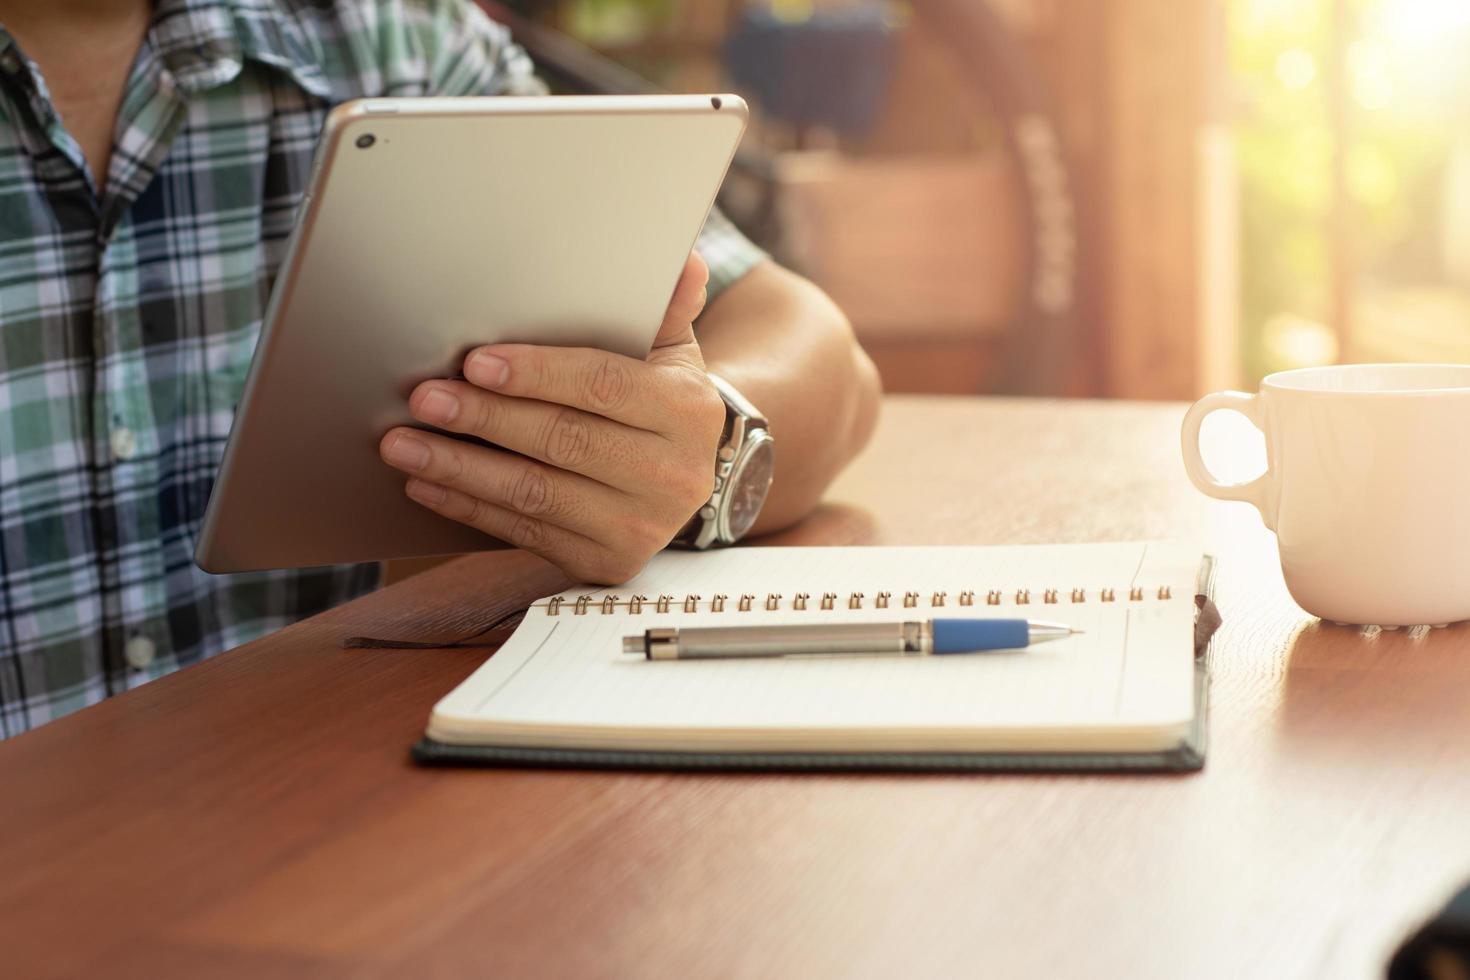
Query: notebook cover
[{"x": 1187, "y": 756}]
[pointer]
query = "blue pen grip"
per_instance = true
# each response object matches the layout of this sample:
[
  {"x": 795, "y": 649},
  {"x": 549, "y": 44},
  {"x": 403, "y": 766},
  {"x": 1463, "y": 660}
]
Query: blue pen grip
[{"x": 969, "y": 635}]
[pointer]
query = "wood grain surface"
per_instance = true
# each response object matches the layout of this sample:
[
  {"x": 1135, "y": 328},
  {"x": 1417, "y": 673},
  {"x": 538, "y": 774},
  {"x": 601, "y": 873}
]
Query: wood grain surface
[{"x": 257, "y": 815}]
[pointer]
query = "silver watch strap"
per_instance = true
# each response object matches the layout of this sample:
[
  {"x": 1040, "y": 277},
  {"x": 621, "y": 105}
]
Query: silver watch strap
[
  {"x": 697, "y": 533},
  {"x": 737, "y": 401}
]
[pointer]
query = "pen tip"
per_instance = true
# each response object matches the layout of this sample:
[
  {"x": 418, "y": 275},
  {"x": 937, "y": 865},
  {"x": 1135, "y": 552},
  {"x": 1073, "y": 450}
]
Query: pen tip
[{"x": 1075, "y": 630}]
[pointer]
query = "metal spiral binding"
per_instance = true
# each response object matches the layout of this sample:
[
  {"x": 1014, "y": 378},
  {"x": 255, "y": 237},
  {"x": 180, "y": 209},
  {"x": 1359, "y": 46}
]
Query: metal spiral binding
[{"x": 693, "y": 603}]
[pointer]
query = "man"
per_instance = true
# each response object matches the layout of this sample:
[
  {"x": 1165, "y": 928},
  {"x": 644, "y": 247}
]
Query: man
[{"x": 151, "y": 158}]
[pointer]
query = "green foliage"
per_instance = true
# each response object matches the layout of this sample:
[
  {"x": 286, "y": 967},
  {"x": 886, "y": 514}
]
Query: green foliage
[{"x": 1399, "y": 135}]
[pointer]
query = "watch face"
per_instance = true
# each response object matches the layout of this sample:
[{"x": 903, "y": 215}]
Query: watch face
[{"x": 749, "y": 485}]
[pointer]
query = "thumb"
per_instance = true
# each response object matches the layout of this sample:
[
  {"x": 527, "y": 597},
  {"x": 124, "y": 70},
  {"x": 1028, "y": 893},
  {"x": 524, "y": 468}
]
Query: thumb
[{"x": 685, "y": 305}]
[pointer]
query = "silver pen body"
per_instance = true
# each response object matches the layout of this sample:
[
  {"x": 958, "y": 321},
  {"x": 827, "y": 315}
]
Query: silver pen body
[
  {"x": 903, "y": 639},
  {"x": 712, "y": 643}
]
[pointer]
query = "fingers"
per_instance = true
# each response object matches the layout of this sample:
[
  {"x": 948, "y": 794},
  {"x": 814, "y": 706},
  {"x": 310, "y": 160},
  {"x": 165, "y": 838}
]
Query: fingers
[
  {"x": 576, "y": 554},
  {"x": 596, "y": 459},
  {"x": 567, "y": 438},
  {"x": 541, "y": 493},
  {"x": 622, "y": 389},
  {"x": 687, "y": 303},
  {"x": 642, "y": 394},
  {"x": 593, "y": 532}
]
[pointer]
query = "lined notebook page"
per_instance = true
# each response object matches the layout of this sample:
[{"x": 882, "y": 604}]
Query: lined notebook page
[{"x": 1127, "y": 682}]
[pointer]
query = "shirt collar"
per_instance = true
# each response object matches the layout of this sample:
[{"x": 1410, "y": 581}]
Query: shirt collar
[{"x": 204, "y": 43}]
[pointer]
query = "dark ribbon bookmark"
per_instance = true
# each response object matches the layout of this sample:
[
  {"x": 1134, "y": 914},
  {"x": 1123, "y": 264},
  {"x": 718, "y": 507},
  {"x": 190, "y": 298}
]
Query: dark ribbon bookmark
[{"x": 488, "y": 636}]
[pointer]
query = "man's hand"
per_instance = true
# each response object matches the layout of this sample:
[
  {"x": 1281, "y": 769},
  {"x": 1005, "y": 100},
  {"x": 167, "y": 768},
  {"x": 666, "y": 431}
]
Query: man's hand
[{"x": 602, "y": 457}]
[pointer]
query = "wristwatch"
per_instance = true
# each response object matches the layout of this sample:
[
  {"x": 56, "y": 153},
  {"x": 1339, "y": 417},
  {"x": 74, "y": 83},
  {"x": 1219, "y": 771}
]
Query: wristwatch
[{"x": 744, "y": 466}]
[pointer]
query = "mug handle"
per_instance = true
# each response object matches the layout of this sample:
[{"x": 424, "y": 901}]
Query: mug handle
[{"x": 1253, "y": 492}]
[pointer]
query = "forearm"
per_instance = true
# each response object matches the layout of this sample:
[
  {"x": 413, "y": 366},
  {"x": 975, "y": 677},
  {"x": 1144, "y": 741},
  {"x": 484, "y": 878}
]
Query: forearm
[{"x": 788, "y": 348}]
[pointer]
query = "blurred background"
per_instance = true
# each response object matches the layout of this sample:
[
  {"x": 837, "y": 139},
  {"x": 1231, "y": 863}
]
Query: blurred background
[{"x": 1125, "y": 198}]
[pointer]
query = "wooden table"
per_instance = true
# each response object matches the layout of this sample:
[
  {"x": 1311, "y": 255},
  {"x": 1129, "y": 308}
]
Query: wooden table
[{"x": 257, "y": 815}]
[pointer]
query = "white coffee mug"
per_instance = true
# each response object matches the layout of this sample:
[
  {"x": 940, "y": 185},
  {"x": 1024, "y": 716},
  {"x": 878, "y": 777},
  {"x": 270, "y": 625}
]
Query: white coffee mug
[{"x": 1367, "y": 486}]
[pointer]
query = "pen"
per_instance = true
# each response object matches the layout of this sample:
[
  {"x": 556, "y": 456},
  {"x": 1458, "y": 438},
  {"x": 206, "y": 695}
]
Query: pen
[{"x": 911, "y": 639}]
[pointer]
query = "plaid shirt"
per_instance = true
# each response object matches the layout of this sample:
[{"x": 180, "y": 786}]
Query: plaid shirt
[{"x": 128, "y": 319}]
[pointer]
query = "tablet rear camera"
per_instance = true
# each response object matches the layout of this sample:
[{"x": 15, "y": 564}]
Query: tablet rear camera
[{"x": 366, "y": 140}]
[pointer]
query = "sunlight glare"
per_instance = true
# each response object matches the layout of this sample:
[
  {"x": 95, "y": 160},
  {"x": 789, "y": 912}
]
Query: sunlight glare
[
  {"x": 1372, "y": 79},
  {"x": 1296, "y": 68},
  {"x": 1296, "y": 341},
  {"x": 1421, "y": 23},
  {"x": 1286, "y": 16}
]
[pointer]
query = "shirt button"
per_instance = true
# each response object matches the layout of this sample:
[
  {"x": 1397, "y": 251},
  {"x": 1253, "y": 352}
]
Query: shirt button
[
  {"x": 139, "y": 652},
  {"x": 124, "y": 443}
]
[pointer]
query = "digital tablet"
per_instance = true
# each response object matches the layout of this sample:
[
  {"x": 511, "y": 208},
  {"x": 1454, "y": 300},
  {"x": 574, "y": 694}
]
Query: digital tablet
[{"x": 431, "y": 226}]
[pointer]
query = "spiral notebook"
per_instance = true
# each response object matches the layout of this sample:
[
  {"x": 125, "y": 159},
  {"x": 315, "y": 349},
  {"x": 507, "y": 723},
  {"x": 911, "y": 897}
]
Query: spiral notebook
[{"x": 1128, "y": 693}]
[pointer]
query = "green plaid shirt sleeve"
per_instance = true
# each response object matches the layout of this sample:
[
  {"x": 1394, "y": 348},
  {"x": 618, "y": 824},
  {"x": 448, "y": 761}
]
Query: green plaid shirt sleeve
[{"x": 130, "y": 304}]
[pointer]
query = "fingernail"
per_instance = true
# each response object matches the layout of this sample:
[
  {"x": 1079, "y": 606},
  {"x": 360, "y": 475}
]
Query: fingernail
[
  {"x": 438, "y": 406},
  {"x": 487, "y": 370},
  {"x": 408, "y": 452},
  {"x": 426, "y": 493}
]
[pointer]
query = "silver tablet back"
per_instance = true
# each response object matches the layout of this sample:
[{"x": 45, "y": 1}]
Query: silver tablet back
[{"x": 432, "y": 226}]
